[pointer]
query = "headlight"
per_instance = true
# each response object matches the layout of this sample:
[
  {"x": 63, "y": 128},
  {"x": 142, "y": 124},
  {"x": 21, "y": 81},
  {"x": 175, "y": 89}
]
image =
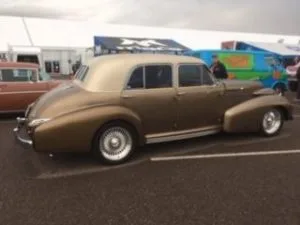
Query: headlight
[{"x": 38, "y": 122}]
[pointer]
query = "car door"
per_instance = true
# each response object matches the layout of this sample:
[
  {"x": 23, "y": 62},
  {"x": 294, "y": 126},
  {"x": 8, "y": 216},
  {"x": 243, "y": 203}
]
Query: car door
[
  {"x": 19, "y": 87},
  {"x": 150, "y": 94},
  {"x": 199, "y": 98}
]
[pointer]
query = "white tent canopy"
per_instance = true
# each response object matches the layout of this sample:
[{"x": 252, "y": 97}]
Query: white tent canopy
[
  {"x": 278, "y": 48},
  {"x": 78, "y": 34}
]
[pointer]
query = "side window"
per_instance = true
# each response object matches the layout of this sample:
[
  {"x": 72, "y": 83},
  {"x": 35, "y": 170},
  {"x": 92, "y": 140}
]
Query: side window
[
  {"x": 158, "y": 76},
  {"x": 10, "y": 75},
  {"x": 7, "y": 75},
  {"x": 189, "y": 75},
  {"x": 206, "y": 77},
  {"x": 22, "y": 74},
  {"x": 136, "y": 79}
]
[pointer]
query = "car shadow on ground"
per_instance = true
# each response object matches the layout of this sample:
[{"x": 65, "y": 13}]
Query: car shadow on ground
[{"x": 152, "y": 150}]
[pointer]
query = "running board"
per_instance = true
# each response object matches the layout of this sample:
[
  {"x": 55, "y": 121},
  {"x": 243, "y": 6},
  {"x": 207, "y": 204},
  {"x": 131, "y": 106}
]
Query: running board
[{"x": 176, "y": 137}]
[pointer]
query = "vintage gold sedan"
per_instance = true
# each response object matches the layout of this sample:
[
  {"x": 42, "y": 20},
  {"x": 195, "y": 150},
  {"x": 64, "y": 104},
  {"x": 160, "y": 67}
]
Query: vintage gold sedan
[{"x": 117, "y": 103}]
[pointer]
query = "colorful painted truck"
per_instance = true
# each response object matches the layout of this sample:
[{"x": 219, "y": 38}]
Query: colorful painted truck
[{"x": 249, "y": 65}]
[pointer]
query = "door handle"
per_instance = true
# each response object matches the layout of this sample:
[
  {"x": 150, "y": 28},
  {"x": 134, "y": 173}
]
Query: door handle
[
  {"x": 180, "y": 93},
  {"x": 127, "y": 96}
]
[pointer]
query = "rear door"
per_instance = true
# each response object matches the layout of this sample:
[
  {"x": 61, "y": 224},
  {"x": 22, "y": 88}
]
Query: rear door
[
  {"x": 150, "y": 94},
  {"x": 19, "y": 87}
]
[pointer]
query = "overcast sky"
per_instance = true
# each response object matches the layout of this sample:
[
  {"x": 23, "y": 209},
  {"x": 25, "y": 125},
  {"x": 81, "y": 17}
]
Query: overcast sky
[{"x": 262, "y": 16}]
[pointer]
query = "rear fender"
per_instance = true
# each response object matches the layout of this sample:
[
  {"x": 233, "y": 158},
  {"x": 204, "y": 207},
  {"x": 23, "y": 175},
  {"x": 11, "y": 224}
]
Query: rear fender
[
  {"x": 75, "y": 131},
  {"x": 246, "y": 117}
]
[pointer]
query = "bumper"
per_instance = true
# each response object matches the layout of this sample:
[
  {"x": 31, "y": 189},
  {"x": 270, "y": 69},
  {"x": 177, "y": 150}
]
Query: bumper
[{"x": 25, "y": 143}]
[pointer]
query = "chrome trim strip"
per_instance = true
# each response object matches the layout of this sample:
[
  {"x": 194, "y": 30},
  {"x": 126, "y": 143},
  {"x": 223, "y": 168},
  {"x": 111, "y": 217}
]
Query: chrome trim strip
[
  {"x": 21, "y": 92},
  {"x": 175, "y": 137},
  {"x": 12, "y": 111}
]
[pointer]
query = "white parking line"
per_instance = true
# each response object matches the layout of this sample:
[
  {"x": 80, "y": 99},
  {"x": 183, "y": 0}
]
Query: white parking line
[
  {"x": 81, "y": 171},
  {"x": 226, "y": 155}
]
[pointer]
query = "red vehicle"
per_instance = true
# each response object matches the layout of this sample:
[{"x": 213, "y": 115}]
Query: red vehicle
[{"x": 21, "y": 84}]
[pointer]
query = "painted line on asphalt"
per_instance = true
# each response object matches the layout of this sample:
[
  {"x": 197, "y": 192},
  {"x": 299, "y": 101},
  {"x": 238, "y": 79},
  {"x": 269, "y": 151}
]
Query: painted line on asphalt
[
  {"x": 184, "y": 151},
  {"x": 7, "y": 121},
  {"x": 226, "y": 155},
  {"x": 257, "y": 141},
  {"x": 82, "y": 171}
]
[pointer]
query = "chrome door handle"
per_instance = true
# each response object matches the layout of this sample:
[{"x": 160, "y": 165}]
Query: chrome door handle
[
  {"x": 180, "y": 93},
  {"x": 127, "y": 96}
]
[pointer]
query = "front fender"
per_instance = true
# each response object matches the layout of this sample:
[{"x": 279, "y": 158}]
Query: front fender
[
  {"x": 246, "y": 117},
  {"x": 75, "y": 131}
]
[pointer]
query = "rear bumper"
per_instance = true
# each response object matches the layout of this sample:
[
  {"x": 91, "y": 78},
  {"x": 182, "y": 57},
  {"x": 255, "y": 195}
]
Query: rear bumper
[{"x": 25, "y": 142}]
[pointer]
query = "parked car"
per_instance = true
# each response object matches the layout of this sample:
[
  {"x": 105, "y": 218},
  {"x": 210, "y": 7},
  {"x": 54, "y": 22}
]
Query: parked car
[
  {"x": 119, "y": 102},
  {"x": 21, "y": 84}
]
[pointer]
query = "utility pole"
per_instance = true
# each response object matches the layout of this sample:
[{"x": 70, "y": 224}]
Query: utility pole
[{"x": 27, "y": 31}]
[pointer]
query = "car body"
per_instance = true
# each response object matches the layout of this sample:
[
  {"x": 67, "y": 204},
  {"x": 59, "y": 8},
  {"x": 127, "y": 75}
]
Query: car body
[
  {"x": 21, "y": 84},
  {"x": 119, "y": 102}
]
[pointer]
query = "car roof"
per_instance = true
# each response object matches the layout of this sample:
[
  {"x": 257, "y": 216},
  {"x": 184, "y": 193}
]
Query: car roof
[
  {"x": 141, "y": 58},
  {"x": 18, "y": 65},
  {"x": 119, "y": 66}
]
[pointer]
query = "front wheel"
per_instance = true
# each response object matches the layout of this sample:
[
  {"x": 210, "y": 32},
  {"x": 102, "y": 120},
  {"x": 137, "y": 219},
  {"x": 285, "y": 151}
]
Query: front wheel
[
  {"x": 271, "y": 122},
  {"x": 114, "y": 143}
]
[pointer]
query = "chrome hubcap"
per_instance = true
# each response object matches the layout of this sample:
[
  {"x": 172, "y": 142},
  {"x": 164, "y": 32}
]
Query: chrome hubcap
[
  {"x": 272, "y": 121},
  {"x": 115, "y": 143}
]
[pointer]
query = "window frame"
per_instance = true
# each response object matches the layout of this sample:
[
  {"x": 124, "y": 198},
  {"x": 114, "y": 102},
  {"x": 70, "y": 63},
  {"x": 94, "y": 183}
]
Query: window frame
[
  {"x": 20, "y": 68},
  {"x": 143, "y": 65}
]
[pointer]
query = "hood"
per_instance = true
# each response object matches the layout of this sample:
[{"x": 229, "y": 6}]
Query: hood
[
  {"x": 66, "y": 97},
  {"x": 247, "y": 85}
]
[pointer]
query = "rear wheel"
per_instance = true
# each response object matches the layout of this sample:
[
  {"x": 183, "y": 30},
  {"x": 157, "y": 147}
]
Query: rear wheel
[
  {"x": 114, "y": 143},
  {"x": 272, "y": 122}
]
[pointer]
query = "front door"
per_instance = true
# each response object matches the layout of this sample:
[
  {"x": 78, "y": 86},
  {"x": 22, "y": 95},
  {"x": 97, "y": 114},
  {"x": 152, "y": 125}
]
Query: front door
[
  {"x": 200, "y": 98},
  {"x": 19, "y": 88},
  {"x": 150, "y": 94}
]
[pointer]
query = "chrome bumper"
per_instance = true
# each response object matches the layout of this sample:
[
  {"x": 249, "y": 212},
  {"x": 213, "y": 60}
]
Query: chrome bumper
[{"x": 25, "y": 143}]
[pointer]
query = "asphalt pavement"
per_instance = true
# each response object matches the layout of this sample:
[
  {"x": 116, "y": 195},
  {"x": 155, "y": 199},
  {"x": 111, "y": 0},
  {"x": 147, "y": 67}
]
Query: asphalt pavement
[{"x": 76, "y": 189}]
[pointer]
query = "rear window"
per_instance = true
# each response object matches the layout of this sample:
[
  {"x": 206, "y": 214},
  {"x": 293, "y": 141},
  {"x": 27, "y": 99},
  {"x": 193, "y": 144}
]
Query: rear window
[{"x": 81, "y": 73}]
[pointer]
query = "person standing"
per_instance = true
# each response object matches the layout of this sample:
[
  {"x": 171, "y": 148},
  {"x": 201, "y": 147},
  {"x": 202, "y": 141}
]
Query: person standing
[{"x": 218, "y": 68}]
